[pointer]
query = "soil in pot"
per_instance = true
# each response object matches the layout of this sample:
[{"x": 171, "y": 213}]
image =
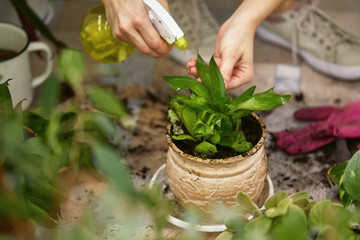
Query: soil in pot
[{"x": 252, "y": 132}]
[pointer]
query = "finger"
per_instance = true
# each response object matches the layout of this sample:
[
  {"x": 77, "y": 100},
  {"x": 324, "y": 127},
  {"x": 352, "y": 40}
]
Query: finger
[
  {"x": 193, "y": 71},
  {"x": 240, "y": 76},
  {"x": 139, "y": 31},
  {"x": 232, "y": 84},
  {"x": 139, "y": 42},
  {"x": 199, "y": 79},
  {"x": 151, "y": 35},
  {"x": 226, "y": 67},
  {"x": 191, "y": 63},
  {"x": 155, "y": 44},
  {"x": 128, "y": 33}
]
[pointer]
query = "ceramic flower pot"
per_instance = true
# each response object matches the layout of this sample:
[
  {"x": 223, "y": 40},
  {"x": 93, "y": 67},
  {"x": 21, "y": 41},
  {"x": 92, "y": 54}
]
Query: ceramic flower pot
[{"x": 199, "y": 183}]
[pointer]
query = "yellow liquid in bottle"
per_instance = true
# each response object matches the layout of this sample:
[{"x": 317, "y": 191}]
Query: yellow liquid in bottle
[{"x": 97, "y": 39}]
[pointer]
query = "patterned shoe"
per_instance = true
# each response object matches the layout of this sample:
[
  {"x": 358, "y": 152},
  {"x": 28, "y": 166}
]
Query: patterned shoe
[
  {"x": 310, "y": 33},
  {"x": 199, "y": 26}
]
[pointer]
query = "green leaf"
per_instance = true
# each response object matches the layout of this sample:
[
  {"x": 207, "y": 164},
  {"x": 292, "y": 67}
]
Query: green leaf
[
  {"x": 12, "y": 134},
  {"x": 104, "y": 123},
  {"x": 244, "y": 96},
  {"x": 202, "y": 130},
  {"x": 177, "y": 108},
  {"x": 246, "y": 206},
  {"x": 331, "y": 233},
  {"x": 23, "y": 8},
  {"x": 274, "y": 200},
  {"x": 345, "y": 198},
  {"x": 52, "y": 131},
  {"x": 214, "y": 139},
  {"x": 260, "y": 225},
  {"x": 6, "y": 105},
  {"x": 337, "y": 172},
  {"x": 239, "y": 113},
  {"x": 109, "y": 163},
  {"x": 328, "y": 213},
  {"x": 179, "y": 83},
  {"x": 301, "y": 199},
  {"x": 227, "y": 125},
  {"x": 35, "y": 122},
  {"x": 71, "y": 66},
  {"x": 173, "y": 117},
  {"x": 199, "y": 103},
  {"x": 189, "y": 118},
  {"x": 204, "y": 73},
  {"x": 175, "y": 122},
  {"x": 49, "y": 101},
  {"x": 241, "y": 146},
  {"x": 280, "y": 210},
  {"x": 236, "y": 222},
  {"x": 227, "y": 138},
  {"x": 221, "y": 105},
  {"x": 216, "y": 85},
  {"x": 107, "y": 102},
  {"x": 263, "y": 101},
  {"x": 39, "y": 214},
  {"x": 35, "y": 145},
  {"x": 183, "y": 137},
  {"x": 293, "y": 225},
  {"x": 226, "y": 235},
  {"x": 42, "y": 193},
  {"x": 205, "y": 149},
  {"x": 352, "y": 177}
]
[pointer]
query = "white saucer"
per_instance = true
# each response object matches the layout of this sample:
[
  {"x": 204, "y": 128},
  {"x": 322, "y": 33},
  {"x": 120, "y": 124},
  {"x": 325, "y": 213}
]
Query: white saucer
[{"x": 160, "y": 178}]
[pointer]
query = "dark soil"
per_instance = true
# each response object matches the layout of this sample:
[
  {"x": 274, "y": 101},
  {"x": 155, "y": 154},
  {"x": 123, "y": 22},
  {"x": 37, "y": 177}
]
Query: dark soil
[{"x": 250, "y": 128}]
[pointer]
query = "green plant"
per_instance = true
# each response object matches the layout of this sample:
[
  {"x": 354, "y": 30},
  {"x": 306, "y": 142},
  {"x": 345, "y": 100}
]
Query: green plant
[
  {"x": 295, "y": 217},
  {"x": 346, "y": 177},
  {"x": 80, "y": 132},
  {"x": 209, "y": 117},
  {"x": 23, "y": 159}
]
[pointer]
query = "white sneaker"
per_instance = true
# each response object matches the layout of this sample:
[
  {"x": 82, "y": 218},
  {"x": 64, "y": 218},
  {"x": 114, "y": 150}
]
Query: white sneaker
[
  {"x": 310, "y": 33},
  {"x": 199, "y": 26}
]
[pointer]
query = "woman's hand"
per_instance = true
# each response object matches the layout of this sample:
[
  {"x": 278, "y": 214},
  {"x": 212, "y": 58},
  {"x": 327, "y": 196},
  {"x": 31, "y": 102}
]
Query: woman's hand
[
  {"x": 235, "y": 42},
  {"x": 130, "y": 23},
  {"x": 233, "y": 54}
]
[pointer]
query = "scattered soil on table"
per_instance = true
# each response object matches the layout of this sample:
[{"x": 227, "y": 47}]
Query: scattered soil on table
[{"x": 148, "y": 147}]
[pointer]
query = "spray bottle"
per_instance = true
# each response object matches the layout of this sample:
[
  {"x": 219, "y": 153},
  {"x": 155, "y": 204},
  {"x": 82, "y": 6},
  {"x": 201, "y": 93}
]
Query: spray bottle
[{"x": 98, "y": 42}]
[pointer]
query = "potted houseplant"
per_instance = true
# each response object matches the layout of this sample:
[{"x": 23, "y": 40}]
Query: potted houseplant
[{"x": 216, "y": 145}]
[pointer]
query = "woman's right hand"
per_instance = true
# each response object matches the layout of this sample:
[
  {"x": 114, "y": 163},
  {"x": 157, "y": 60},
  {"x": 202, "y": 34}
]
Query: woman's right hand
[{"x": 130, "y": 23}]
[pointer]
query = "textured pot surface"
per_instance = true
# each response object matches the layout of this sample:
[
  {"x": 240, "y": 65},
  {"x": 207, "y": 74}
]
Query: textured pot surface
[{"x": 198, "y": 183}]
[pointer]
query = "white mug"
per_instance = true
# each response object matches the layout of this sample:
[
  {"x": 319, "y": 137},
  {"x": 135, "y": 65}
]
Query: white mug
[{"x": 17, "y": 66}]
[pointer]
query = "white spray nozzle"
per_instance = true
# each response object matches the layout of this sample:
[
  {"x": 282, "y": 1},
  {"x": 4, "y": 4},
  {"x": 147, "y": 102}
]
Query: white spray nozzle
[{"x": 168, "y": 29}]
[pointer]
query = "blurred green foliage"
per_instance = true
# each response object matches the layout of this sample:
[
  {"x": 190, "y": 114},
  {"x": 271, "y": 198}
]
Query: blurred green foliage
[
  {"x": 293, "y": 217},
  {"x": 35, "y": 145}
]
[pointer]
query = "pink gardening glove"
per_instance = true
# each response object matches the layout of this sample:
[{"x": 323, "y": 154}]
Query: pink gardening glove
[{"x": 329, "y": 124}]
